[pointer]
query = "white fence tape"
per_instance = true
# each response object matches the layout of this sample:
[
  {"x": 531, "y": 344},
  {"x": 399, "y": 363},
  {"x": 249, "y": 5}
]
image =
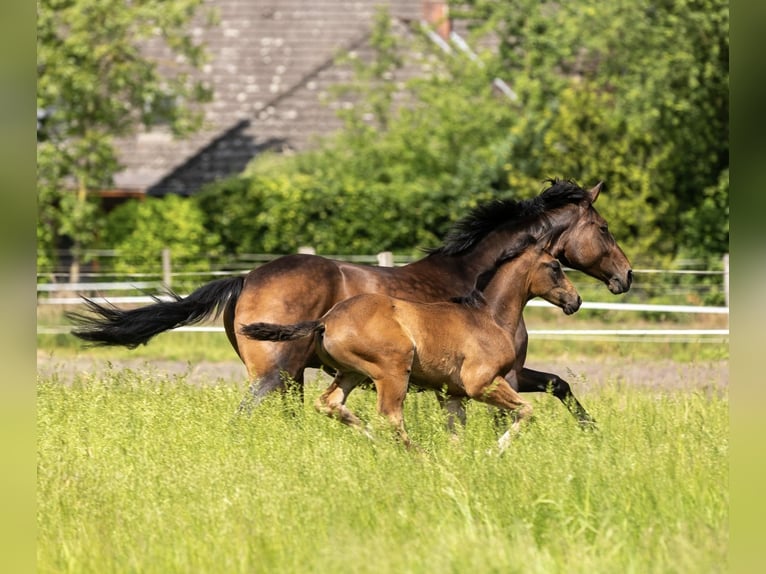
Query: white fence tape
[
  {"x": 640, "y": 334},
  {"x": 641, "y": 307},
  {"x": 117, "y": 300}
]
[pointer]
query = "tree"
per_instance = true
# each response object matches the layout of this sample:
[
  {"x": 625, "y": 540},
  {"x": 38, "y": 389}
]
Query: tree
[
  {"x": 633, "y": 92},
  {"x": 94, "y": 83}
]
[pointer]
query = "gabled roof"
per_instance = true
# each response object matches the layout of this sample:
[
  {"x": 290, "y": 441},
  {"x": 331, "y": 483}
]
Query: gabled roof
[{"x": 272, "y": 62}]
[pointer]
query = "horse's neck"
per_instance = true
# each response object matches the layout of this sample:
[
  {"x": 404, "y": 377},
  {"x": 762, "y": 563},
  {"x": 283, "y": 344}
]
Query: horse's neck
[
  {"x": 507, "y": 294},
  {"x": 483, "y": 257}
]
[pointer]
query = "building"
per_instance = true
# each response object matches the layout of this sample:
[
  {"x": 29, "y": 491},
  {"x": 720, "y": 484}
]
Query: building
[{"x": 272, "y": 62}]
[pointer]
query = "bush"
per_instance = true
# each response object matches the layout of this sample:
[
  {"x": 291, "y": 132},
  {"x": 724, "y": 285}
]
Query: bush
[{"x": 141, "y": 229}]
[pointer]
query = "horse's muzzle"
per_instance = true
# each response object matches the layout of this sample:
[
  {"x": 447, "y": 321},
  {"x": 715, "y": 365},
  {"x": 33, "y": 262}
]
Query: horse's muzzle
[{"x": 619, "y": 285}]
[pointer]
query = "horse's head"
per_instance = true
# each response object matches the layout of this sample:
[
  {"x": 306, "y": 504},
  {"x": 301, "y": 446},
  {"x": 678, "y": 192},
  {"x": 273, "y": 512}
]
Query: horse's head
[
  {"x": 547, "y": 279},
  {"x": 587, "y": 245}
]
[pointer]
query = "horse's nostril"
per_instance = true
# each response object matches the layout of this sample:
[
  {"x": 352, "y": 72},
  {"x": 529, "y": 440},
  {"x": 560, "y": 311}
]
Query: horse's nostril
[{"x": 630, "y": 276}]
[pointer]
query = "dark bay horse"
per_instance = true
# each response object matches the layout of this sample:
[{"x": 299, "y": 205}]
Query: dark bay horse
[
  {"x": 298, "y": 288},
  {"x": 462, "y": 348}
]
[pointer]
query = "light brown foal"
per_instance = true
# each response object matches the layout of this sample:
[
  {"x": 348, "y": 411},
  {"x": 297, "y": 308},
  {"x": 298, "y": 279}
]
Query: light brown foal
[{"x": 462, "y": 348}]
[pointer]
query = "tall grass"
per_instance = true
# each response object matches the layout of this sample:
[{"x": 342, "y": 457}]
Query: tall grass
[{"x": 140, "y": 473}]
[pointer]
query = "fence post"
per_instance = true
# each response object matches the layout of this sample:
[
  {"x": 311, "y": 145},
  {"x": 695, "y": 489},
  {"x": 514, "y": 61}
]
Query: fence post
[
  {"x": 726, "y": 278},
  {"x": 166, "y": 269},
  {"x": 386, "y": 259},
  {"x": 307, "y": 250}
]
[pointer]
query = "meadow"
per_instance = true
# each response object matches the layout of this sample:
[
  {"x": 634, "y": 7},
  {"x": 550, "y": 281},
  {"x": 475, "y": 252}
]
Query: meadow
[{"x": 140, "y": 471}]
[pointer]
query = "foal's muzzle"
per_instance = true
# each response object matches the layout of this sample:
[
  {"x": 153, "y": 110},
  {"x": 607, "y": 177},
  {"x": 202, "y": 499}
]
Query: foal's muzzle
[{"x": 570, "y": 308}]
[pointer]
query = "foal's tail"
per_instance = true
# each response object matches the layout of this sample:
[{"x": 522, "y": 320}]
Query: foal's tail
[
  {"x": 108, "y": 325},
  {"x": 272, "y": 332}
]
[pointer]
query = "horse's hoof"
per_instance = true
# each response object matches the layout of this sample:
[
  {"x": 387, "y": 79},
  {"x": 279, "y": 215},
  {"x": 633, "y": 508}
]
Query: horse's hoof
[{"x": 588, "y": 425}]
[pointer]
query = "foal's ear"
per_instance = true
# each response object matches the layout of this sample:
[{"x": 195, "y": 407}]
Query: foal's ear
[{"x": 595, "y": 190}]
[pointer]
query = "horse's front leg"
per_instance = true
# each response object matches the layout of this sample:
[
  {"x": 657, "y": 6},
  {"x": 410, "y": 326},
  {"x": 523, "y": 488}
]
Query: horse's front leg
[{"x": 529, "y": 381}]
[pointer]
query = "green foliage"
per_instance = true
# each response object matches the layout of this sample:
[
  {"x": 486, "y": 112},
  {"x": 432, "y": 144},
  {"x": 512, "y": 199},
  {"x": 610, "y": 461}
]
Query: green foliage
[
  {"x": 141, "y": 229},
  {"x": 94, "y": 83},
  {"x": 146, "y": 473},
  {"x": 635, "y": 94},
  {"x": 279, "y": 213},
  {"x": 705, "y": 230}
]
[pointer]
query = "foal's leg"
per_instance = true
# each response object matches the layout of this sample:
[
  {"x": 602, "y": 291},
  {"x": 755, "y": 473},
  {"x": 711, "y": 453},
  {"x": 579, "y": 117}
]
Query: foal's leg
[
  {"x": 332, "y": 402},
  {"x": 392, "y": 390},
  {"x": 500, "y": 394},
  {"x": 530, "y": 381}
]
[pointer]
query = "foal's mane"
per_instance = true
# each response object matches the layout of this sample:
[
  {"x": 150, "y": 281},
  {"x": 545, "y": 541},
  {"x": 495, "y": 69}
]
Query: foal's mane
[
  {"x": 505, "y": 213},
  {"x": 475, "y": 298}
]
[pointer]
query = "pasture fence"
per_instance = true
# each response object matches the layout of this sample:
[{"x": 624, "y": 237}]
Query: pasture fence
[{"x": 675, "y": 291}]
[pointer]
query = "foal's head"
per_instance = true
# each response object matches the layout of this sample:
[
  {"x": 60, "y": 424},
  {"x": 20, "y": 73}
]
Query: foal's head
[
  {"x": 530, "y": 270},
  {"x": 547, "y": 279}
]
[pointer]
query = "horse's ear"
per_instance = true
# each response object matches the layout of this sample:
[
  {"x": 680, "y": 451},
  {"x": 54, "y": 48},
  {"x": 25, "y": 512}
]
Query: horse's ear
[{"x": 595, "y": 190}]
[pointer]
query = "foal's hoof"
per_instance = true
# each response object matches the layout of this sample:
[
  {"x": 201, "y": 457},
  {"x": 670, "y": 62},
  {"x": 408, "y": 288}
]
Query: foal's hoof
[{"x": 504, "y": 441}]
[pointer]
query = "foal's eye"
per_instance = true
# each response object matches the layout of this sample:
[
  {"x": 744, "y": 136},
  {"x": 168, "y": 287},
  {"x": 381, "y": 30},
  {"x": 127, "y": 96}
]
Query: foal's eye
[{"x": 604, "y": 229}]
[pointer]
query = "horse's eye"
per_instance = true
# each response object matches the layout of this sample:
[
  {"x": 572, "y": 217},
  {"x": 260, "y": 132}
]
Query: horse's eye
[{"x": 604, "y": 229}]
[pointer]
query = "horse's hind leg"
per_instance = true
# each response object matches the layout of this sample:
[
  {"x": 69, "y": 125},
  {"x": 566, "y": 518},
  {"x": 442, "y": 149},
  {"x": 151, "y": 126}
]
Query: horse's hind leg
[
  {"x": 332, "y": 402},
  {"x": 454, "y": 407},
  {"x": 259, "y": 388},
  {"x": 273, "y": 367}
]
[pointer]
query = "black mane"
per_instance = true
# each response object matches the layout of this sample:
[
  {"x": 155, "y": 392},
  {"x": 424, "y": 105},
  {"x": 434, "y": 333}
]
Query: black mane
[
  {"x": 475, "y": 299},
  {"x": 500, "y": 213}
]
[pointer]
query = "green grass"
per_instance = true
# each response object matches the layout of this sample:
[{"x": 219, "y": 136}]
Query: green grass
[
  {"x": 139, "y": 473},
  {"x": 171, "y": 345}
]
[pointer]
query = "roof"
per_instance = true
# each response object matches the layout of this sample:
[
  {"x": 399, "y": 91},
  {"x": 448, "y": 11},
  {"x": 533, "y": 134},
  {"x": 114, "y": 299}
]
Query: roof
[{"x": 272, "y": 62}]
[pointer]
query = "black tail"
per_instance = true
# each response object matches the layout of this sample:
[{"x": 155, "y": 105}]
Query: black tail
[
  {"x": 108, "y": 325},
  {"x": 272, "y": 332}
]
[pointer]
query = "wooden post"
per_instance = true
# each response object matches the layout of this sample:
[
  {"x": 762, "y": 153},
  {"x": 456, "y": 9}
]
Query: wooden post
[
  {"x": 386, "y": 259},
  {"x": 167, "y": 279},
  {"x": 307, "y": 250}
]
